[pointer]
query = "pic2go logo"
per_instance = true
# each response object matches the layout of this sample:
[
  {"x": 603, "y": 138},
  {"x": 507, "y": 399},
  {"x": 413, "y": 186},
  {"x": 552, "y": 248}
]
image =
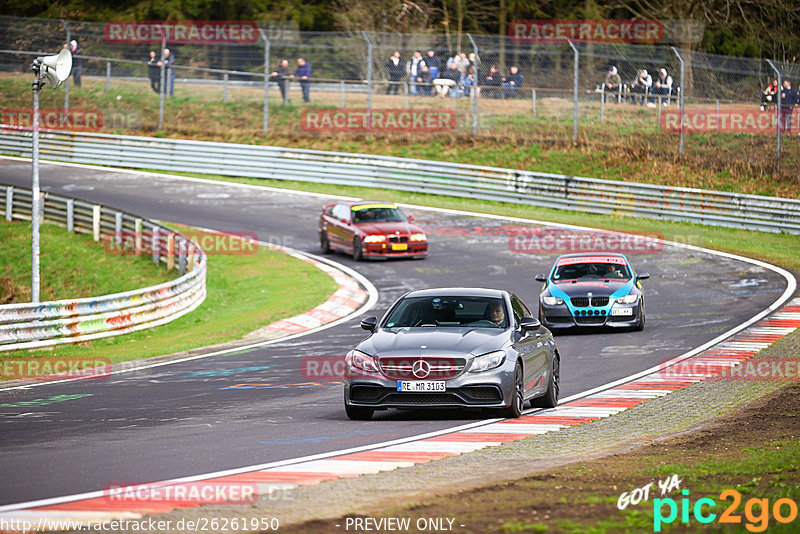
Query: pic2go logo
[{"x": 756, "y": 511}]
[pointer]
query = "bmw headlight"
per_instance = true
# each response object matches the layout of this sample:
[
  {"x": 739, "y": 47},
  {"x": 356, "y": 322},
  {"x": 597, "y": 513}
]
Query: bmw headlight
[
  {"x": 487, "y": 361},
  {"x": 363, "y": 361},
  {"x": 417, "y": 237},
  {"x": 552, "y": 301},
  {"x": 627, "y": 299},
  {"x": 375, "y": 239}
]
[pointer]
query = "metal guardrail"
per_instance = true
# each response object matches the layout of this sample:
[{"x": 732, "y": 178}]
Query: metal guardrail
[
  {"x": 31, "y": 325},
  {"x": 772, "y": 214}
]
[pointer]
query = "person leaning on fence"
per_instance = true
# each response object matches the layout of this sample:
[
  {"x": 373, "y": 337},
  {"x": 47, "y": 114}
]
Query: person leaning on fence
[
  {"x": 447, "y": 82},
  {"x": 434, "y": 63},
  {"x": 77, "y": 66},
  {"x": 789, "y": 100},
  {"x": 413, "y": 68},
  {"x": 281, "y": 75},
  {"x": 641, "y": 85},
  {"x": 468, "y": 81},
  {"x": 613, "y": 81},
  {"x": 424, "y": 81},
  {"x": 168, "y": 60},
  {"x": 491, "y": 83},
  {"x": 396, "y": 71},
  {"x": 154, "y": 72},
  {"x": 663, "y": 86},
  {"x": 511, "y": 82},
  {"x": 303, "y": 73},
  {"x": 768, "y": 97}
]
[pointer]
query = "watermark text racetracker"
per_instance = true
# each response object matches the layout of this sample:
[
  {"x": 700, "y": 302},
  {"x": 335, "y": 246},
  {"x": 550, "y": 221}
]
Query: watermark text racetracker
[
  {"x": 706, "y": 120},
  {"x": 131, "y": 242},
  {"x": 182, "y": 32},
  {"x": 385, "y": 120},
  {"x": 81, "y": 120},
  {"x": 147, "y": 524},
  {"x": 55, "y": 368},
  {"x": 559, "y": 241},
  {"x": 599, "y": 31}
]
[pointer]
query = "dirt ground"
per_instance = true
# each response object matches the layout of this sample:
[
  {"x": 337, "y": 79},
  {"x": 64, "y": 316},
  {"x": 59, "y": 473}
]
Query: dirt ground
[{"x": 755, "y": 450}]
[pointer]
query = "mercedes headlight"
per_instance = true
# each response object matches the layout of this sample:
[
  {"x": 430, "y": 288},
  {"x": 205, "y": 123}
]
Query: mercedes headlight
[
  {"x": 363, "y": 361},
  {"x": 627, "y": 299},
  {"x": 487, "y": 361},
  {"x": 552, "y": 301}
]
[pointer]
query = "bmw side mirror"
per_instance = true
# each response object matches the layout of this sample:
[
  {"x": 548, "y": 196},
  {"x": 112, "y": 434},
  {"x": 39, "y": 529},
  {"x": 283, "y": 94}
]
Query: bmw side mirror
[
  {"x": 643, "y": 276},
  {"x": 411, "y": 218},
  {"x": 540, "y": 278},
  {"x": 370, "y": 323},
  {"x": 529, "y": 323}
]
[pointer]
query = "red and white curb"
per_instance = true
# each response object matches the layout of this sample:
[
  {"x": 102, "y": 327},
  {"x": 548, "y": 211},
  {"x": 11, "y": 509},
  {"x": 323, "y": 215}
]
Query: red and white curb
[{"x": 624, "y": 394}]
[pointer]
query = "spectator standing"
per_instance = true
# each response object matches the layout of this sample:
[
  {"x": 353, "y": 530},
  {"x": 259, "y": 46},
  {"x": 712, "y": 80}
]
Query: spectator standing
[
  {"x": 789, "y": 100},
  {"x": 77, "y": 64},
  {"x": 613, "y": 81},
  {"x": 768, "y": 95},
  {"x": 663, "y": 86},
  {"x": 281, "y": 75},
  {"x": 641, "y": 85},
  {"x": 425, "y": 80},
  {"x": 168, "y": 60},
  {"x": 434, "y": 63},
  {"x": 511, "y": 82},
  {"x": 413, "y": 68},
  {"x": 492, "y": 83},
  {"x": 154, "y": 72},
  {"x": 396, "y": 71},
  {"x": 303, "y": 73}
]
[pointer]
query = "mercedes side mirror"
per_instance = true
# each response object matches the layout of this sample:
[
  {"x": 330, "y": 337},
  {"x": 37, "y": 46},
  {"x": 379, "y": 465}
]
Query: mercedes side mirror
[
  {"x": 540, "y": 277},
  {"x": 370, "y": 323},
  {"x": 529, "y": 323},
  {"x": 643, "y": 276}
]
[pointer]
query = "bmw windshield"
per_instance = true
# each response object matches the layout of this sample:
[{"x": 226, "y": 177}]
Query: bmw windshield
[
  {"x": 610, "y": 268},
  {"x": 445, "y": 311},
  {"x": 377, "y": 213}
]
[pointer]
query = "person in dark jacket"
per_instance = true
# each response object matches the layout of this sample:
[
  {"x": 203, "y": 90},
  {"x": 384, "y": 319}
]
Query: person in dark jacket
[
  {"x": 511, "y": 82},
  {"x": 434, "y": 63},
  {"x": 154, "y": 72},
  {"x": 168, "y": 60},
  {"x": 789, "y": 100},
  {"x": 424, "y": 81},
  {"x": 303, "y": 72},
  {"x": 396, "y": 70},
  {"x": 492, "y": 82},
  {"x": 281, "y": 75}
]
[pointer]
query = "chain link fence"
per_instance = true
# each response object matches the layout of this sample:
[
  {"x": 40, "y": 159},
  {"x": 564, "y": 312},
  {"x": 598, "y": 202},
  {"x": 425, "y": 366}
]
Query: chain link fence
[{"x": 473, "y": 87}]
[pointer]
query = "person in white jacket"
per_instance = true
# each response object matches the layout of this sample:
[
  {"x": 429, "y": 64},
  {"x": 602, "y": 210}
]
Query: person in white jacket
[
  {"x": 663, "y": 86},
  {"x": 641, "y": 86}
]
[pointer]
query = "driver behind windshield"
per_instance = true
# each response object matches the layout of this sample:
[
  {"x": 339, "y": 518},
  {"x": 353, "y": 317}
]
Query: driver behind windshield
[{"x": 496, "y": 313}]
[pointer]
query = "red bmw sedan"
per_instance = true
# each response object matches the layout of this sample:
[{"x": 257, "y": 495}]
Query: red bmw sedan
[{"x": 370, "y": 229}]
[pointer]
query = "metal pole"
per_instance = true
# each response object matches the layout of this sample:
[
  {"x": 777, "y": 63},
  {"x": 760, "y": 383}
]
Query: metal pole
[
  {"x": 266, "y": 80},
  {"x": 683, "y": 93},
  {"x": 161, "y": 89},
  {"x": 341, "y": 93},
  {"x": 108, "y": 76},
  {"x": 474, "y": 91},
  {"x": 225, "y": 88},
  {"x": 405, "y": 91},
  {"x": 717, "y": 121},
  {"x": 369, "y": 81},
  {"x": 574, "y": 93},
  {"x": 603, "y": 103},
  {"x": 66, "y": 82},
  {"x": 35, "y": 200},
  {"x": 778, "y": 114},
  {"x": 533, "y": 95}
]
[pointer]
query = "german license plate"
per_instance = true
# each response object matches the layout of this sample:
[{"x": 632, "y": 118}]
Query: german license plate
[
  {"x": 420, "y": 387},
  {"x": 621, "y": 311},
  {"x": 400, "y": 246}
]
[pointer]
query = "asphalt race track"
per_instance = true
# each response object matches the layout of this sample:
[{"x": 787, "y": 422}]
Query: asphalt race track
[{"x": 190, "y": 418}]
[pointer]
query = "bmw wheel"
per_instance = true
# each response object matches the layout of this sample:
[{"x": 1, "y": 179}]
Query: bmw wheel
[
  {"x": 324, "y": 243},
  {"x": 550, "y": 398},
  {"x": 640, "y": 325},
  {"x": 358, "y": 252},
  {"x": 515, "y": 410}
]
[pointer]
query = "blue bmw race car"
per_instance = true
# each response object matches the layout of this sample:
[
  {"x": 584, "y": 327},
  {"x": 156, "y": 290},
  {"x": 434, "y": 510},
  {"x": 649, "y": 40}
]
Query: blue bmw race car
[{"x": 592, "y": 290}]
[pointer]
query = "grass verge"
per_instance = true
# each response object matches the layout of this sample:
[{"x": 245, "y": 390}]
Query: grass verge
[
  {"x": 244, "y": 292},
  {"x": 780, "y": 249}
]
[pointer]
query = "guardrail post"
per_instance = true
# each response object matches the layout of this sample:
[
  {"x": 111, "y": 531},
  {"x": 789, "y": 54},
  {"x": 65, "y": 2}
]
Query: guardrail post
[
  {"x": 70, "y": 215},
  {"x": 108, "y": 76},
  {"x": 181, "y": 256},
  {"x": 118, "y": 227},
  {"x": 225, "y": 88},
  {"x": 576, "y": 59},
  {"x": 137, "y": 228},
  {"x": 533, "y": 103},
  {"x": 170, "y": 252},
  {"x": 682, "y": 93},
  {"x": 778, "y": 115},
  {"x": 155, "y": 245},
  {"x": 265, "y": 126},
  {"x": 9, "y": 202},
  {"x": 96, "y": 222}
]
